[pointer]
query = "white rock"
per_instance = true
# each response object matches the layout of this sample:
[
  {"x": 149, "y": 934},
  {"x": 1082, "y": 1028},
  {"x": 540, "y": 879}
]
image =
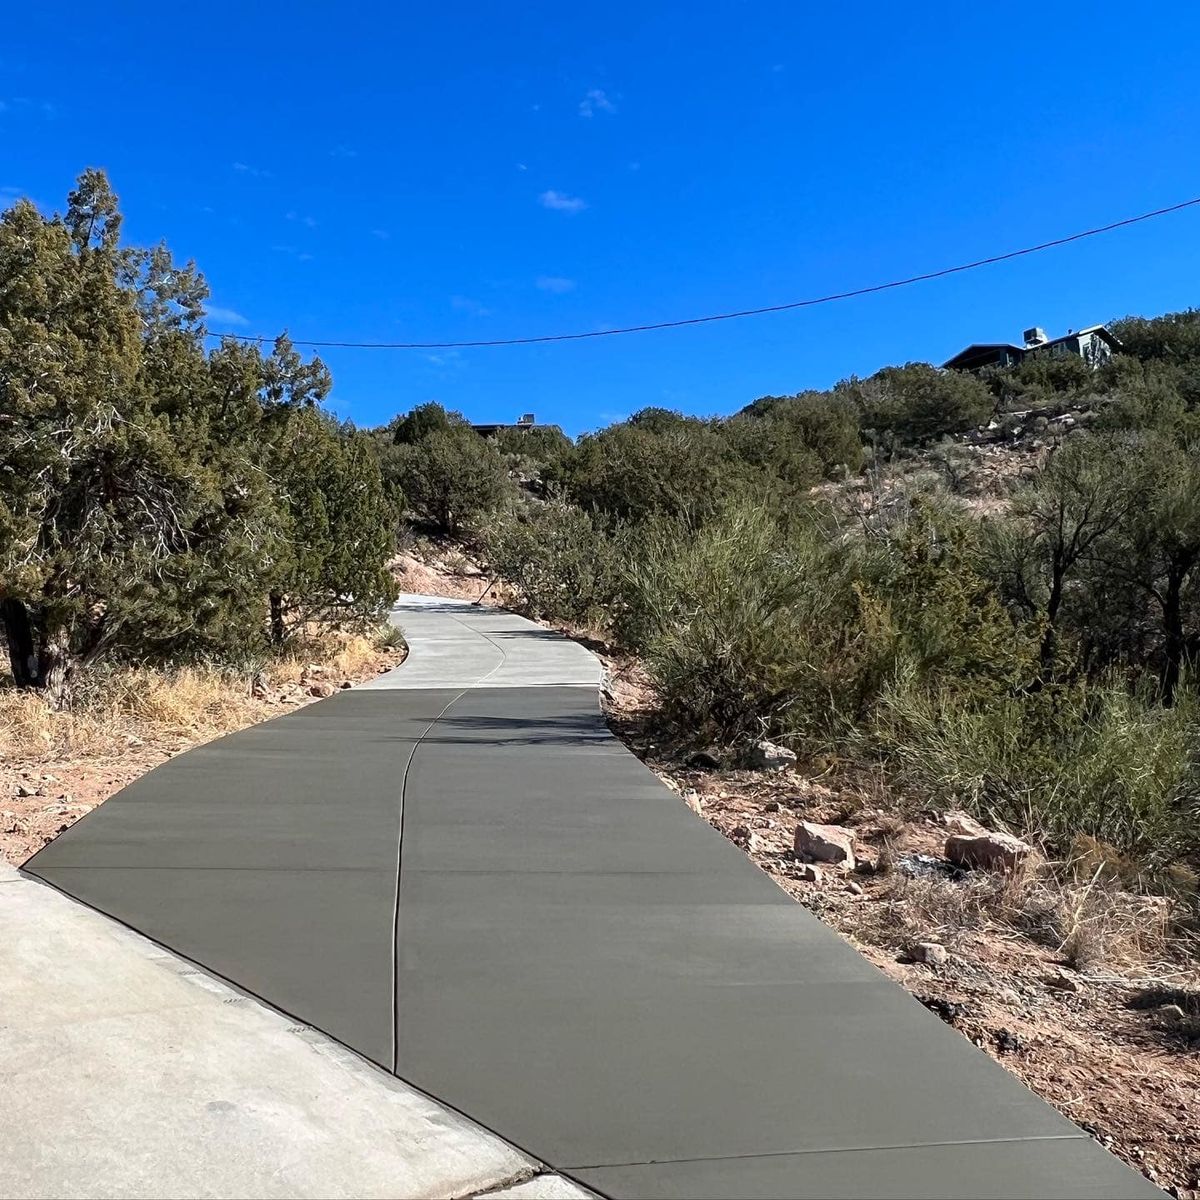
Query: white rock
[
  {"x": 959, "y": 822},
  {"x": 990, "y": 850},
  {"x": 1064, "y": 982},
  {"x": 769, "y": 756},
  {"x": 825, "y": 843}
]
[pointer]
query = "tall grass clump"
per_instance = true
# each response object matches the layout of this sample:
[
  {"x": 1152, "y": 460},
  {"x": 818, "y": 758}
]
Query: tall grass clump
[{"x": 1093, "y": 760}]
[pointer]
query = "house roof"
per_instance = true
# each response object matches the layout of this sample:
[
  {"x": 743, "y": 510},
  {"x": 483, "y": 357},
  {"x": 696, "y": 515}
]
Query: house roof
[{"x": 980, "y": 350}]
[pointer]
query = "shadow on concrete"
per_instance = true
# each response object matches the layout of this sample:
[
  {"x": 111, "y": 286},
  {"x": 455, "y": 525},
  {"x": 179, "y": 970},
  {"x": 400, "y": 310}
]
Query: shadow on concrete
[{"x": 475, "y": 729}]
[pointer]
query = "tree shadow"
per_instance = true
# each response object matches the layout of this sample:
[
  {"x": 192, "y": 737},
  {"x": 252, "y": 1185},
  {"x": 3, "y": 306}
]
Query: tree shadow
[{"x": 580, "y": 729}]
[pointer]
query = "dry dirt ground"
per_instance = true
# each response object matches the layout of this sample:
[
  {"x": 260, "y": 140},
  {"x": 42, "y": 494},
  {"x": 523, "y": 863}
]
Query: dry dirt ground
[
  {"x": 1074, "y": 988},
  {"x": 45, "y": 789}
]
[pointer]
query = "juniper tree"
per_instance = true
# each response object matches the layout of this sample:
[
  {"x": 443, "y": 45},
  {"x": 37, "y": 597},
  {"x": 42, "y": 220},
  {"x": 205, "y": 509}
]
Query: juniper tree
[{"x": 147, "y": 488}]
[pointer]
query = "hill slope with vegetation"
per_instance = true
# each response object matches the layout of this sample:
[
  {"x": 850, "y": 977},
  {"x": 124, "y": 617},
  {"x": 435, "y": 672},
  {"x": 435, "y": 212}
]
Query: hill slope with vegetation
[{"x": 989, "y": 587}]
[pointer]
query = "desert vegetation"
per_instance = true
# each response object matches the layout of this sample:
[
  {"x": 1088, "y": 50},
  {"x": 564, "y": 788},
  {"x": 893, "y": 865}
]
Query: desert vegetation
[
  {"x": 162, "y": 502},
  {"x": 821, "y": 570}
]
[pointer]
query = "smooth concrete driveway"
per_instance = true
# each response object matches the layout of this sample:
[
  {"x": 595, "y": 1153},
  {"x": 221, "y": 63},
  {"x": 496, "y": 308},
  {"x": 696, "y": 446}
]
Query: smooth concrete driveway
[{"x": 457, "y": 871}]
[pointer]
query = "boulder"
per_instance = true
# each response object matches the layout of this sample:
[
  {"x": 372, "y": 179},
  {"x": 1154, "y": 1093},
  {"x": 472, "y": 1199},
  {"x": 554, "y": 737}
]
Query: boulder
[
  {"x": 808, "y": 873},
  {"x": 932, "y": 953},
  {"x": 963, "y": 823},
  {"x": 989, "y": 850},
  {"x": 768, "y": 756},
  {"x": 321, "y": 690},
  {"x": 825, "y": 843}
]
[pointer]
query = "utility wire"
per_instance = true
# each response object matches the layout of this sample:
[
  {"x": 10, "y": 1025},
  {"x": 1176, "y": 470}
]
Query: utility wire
[{"x": 731, "y": 316}]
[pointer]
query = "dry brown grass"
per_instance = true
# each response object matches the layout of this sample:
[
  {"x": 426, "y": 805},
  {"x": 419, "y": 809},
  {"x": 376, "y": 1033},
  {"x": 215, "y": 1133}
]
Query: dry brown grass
[
  {"x": 1092, "y": 923},
  {"x": 130, "y": 703}
]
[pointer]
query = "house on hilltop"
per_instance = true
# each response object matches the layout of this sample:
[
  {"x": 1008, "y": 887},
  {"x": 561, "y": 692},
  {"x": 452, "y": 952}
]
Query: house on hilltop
[
  {"x": 524, "y": 422},
  {"x": 1095, "y": 345}
]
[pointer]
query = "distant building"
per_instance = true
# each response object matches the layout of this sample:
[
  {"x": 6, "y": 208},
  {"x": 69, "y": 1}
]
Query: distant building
[
  {"x": 1095, "y": 345},
  {"x": 524, "y": 422}
]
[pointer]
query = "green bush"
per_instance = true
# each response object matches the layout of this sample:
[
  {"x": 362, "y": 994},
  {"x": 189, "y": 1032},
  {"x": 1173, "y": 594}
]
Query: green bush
[
  {"x": 916, "y": 402},
  {"x": 653, "y": 466},
  {"x": 562, "y": 567},
  {"x": 925, "y": 602},
  {"x": 741, "y": 631},
  {"x": 820, "y": 426},
  {"x": 452, "y": 479}
]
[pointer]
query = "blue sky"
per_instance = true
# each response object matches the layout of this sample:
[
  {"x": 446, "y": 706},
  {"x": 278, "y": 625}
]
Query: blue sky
[{"x": 400, "y": 172}]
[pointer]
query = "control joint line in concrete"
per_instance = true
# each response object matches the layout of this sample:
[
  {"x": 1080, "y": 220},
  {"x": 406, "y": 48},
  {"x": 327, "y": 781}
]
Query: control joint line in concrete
[
  {"x": 656, "y": 1162},
  {"x": 400, "y": 844}
]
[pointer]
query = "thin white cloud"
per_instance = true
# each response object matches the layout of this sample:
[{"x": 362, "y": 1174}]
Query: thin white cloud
[
  {"x": 381, "y": 234},
  {"x": 301, "y": 219},
  {"x": 343, "y": 152},
  {"x": 557, "y": 284},
  {"x": 10, "y": 195},
  {"x": 467, "y": 305},
  {"x": 293, "y": 252},
  {"x": 595, "y": 101},
  {"x": 246, "y": 169},
  {"x": 561, "y": 202},
  {"x": 225, "y": 316},
  {"x": 16, "y": 104}
]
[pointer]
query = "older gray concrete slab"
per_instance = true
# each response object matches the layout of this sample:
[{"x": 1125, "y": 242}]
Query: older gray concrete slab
[
  {"x": 316, "y": 944},
  {"x": 455, "y": 643},
  {"x": 579, "y": 962},
  {"x": 127, "y": 1072},
  {"x": 541, "y": 1187}
]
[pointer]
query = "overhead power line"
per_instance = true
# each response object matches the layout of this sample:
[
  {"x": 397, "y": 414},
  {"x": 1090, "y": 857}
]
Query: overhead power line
[{"x": 730, "y": 316}]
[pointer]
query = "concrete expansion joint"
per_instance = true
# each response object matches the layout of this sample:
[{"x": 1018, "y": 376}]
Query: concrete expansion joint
[{"x": 524, "y": 1175}]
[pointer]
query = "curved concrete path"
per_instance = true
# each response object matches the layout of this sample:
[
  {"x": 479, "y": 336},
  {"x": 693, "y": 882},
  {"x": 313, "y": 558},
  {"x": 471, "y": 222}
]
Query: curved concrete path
[{"x": 458, "y": 872}]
